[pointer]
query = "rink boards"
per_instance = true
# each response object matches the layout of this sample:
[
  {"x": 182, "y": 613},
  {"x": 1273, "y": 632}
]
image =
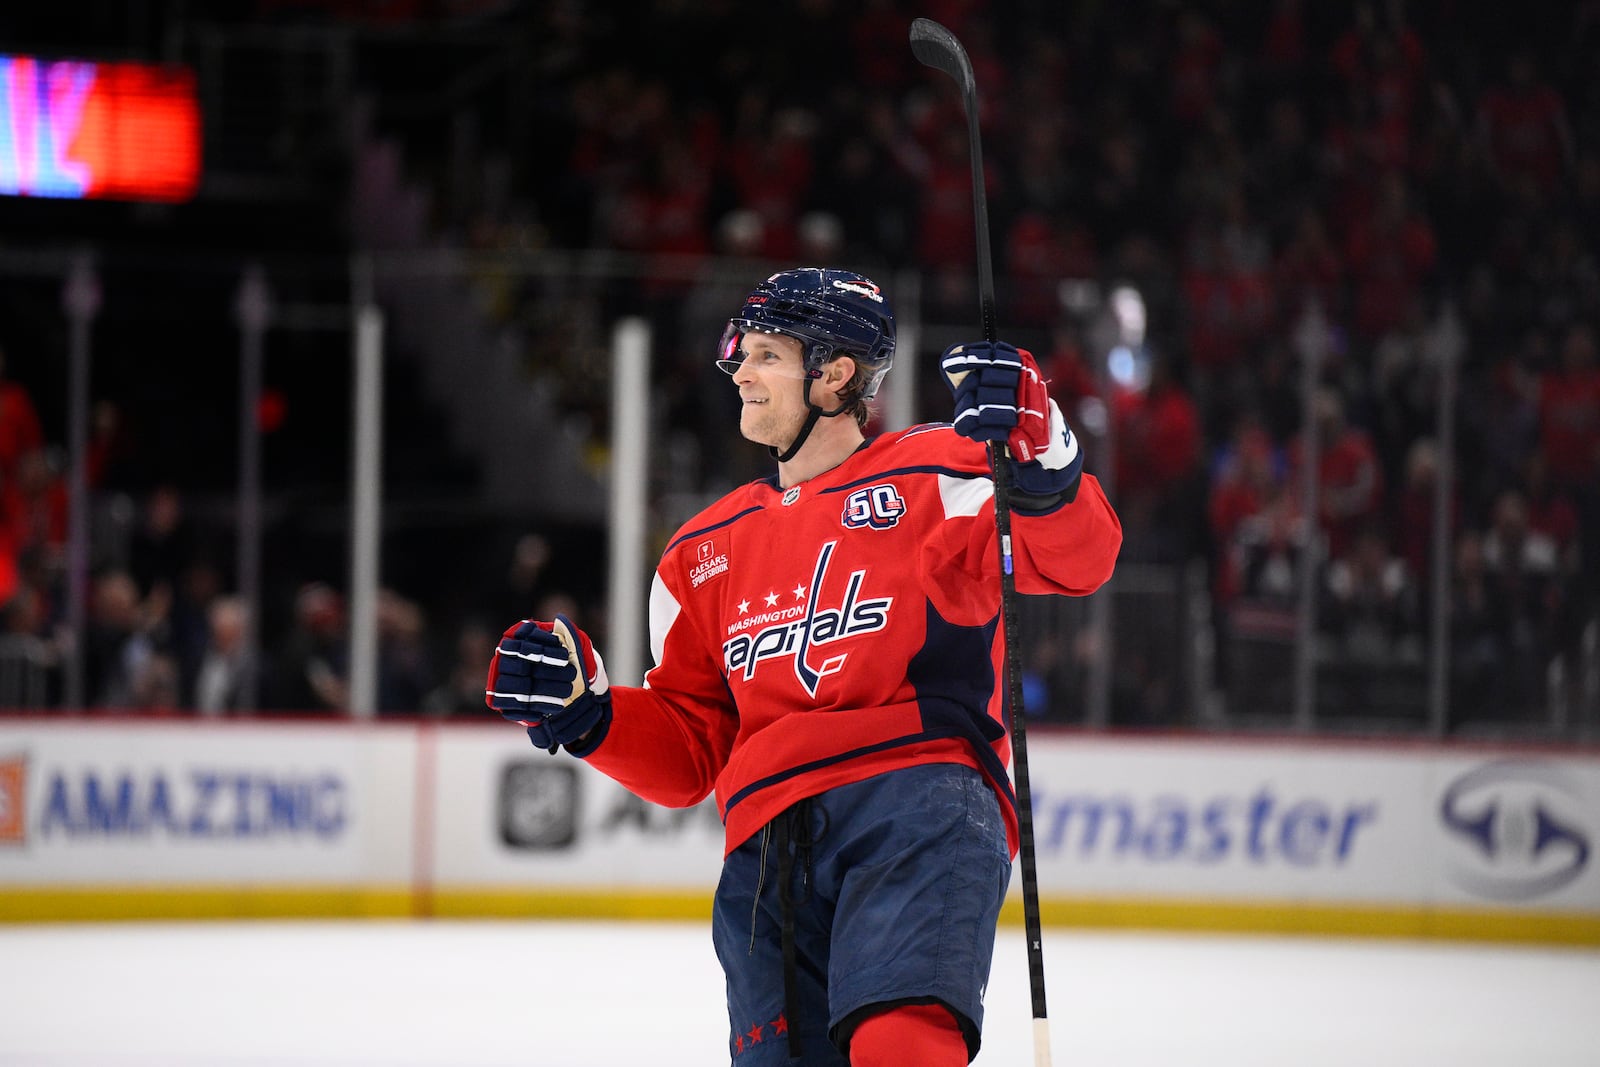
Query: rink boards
[{"x": 120, "y": 819}]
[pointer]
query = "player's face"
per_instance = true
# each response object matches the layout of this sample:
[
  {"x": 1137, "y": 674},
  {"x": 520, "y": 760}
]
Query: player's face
[{"x": 771, "y": 380}]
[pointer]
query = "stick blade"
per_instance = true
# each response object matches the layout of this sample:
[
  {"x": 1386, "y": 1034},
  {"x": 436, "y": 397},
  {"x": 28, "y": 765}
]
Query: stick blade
[{"x": 936, "y": 47}]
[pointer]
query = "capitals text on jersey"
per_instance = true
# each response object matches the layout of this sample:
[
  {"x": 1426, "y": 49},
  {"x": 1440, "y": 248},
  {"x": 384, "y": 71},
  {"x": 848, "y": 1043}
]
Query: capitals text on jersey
[{"x": 818, "y": 626}]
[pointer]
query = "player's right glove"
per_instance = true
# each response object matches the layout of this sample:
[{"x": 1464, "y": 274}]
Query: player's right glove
[
  {"x": 548, "y": 677},
  {"x": 1000, "y": 396}
]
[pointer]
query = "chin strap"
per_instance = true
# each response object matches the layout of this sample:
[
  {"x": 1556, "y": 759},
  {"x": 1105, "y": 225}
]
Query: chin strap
[{"x": 805, "y": 430}]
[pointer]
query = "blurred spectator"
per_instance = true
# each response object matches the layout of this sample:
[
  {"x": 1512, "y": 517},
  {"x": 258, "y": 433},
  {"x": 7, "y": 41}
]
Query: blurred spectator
[
  {"x": 1159, "y": 484},
  {"x": 30, "y": 662},
  {"x": 1475, "y": 633},
  {"x": 1042, "y": 252},
  {"x": 113, "y": 451},
  {"x": 946, "y": 239},
  {"x": 1525, "y": 590},
  {"x": 117, "y": 646},
  {"x": 1227, "y": 297},
  {"x": 1270, "y": 547},
  {"x": 1522, "y": 121},
  {"x": 155, "y": 688},
  {"x": 1370, "y": 608},
  {"x": 1569, "y": 412},
  {"x": 513, "y": 594},
  {"x": 405, "y": 670},
  {"x": 1392, "y": 254},
  {"x": 189, "y": 624},
  {"x": 20, "y": 431},
  {"x": 1258, "y": 625},
  {"x": 34, "y": 503},
  {"x": 1247, "y": 477},
  {"x": 1066, "y": 370},
  {"x": 1569, "y": 421},
  {"x": 1501, "y": 413},
  {"x": 1413, "y": 519},
  {"x": 313, "y": 663},
  {"x": 1385, "y": 59},
  {"x": 1308, "y": 269},
  {"x": 1196, "y": 67},
  {"x": 227, "y": 665},
  {"x": 1552, "y": 510},
  {"x": 461, "y": 693},
  {"x": 1285, "y": 43},
  {"x": 769, "y": 163},
  {"x": 1349, "y": 480},
  {"x": 163, "y": 543}
]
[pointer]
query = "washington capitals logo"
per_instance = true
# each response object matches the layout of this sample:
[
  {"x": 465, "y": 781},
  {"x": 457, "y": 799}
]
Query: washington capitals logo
[{"x": 799, "y": 635}]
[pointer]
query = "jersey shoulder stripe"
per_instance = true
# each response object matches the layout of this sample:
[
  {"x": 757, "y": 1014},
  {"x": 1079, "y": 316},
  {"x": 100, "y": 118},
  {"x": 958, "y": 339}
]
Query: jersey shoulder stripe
[
  {"x": 932, "y": 444},
  {"x": 896, "y": 472},
  {"x": 706, "y": 522}
]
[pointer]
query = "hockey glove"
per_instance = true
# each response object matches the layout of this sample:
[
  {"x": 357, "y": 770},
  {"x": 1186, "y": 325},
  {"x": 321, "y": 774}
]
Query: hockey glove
[
  {"x": 1001, "y": 396},
  {"x": 548, "y": 677}
]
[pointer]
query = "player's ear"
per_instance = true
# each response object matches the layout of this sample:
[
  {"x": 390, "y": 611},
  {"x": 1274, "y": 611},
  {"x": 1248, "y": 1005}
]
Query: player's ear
[{"x": 838, "y": 373}]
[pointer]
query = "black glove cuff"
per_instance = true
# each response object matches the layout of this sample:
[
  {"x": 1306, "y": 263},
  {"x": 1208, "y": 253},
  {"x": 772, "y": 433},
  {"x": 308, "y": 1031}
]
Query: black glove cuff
[{"x": 586, "y": 745}]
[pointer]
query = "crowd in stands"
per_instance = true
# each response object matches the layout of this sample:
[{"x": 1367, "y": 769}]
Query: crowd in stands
[{"x": 1417, "y": 183}]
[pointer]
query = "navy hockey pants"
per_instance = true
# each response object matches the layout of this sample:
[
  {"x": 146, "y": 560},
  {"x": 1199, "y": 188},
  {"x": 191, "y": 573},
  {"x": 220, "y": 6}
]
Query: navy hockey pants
[{"x": 891, "y": 888}]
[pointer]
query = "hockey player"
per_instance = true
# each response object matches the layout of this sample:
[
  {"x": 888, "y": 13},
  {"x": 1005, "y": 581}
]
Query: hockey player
[{"x": 829, "y": 662}]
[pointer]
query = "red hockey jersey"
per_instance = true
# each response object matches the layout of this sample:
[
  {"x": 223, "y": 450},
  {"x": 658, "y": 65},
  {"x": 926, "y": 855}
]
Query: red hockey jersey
[{"x": 847, "y": 626}]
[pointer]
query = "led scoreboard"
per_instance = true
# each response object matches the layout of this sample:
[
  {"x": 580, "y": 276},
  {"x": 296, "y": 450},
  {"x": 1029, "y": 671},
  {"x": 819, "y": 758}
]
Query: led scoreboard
[{"x": 76, "y": 129}]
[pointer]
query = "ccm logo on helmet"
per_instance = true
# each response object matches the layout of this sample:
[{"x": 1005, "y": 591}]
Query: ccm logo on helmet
[{"x": 866, "y": 289}]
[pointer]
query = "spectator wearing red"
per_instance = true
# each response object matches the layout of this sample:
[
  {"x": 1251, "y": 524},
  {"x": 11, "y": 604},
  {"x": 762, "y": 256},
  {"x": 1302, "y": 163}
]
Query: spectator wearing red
[
  {"x": 877, "y": 35},
  {"x": 1158, "y": 446},
  {"x": 1569, "y": 412},
  {"x": 1195, "y": 69},
  {"x": 1041, "y": 252},
  {"x": 1414, "y": 509},
  {"x": 1284, "y": 44},
  {"x": 1370, "y": 608},
  {"x": 1391, "y": 254},
  {"x": 1552, "y": 510},
  {"x": 1228, "y": 296},
  {"x": 1387, "y": 60},
  {"x": 944, "y": 220},
  {"x": 770, "y": 165},
  {"x": 1523, "y": 126},
  {"x": 34, "y": 507},
  {"x": 1350, "y": 478},
  {"x": 1308, "y": 269},
  {"x": 1067, "y": 371},
  {"x": 20, "y": 431},
  {"x": 1247, "y": 477}
]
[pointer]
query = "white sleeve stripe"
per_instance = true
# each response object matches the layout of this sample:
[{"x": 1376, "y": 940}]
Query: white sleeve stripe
[
  {"x": 526, "y": 698},
  {"x": 539, "y": 657},
  {"x": 963, "y": 360},
  {"x": 1063, "y": 450},
  {"x": 664, "y": 612},
  {"x": 964, "y": 496}
]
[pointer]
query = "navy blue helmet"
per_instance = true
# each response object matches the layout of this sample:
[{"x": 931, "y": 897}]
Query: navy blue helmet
[{"x": 833, "y": 312}]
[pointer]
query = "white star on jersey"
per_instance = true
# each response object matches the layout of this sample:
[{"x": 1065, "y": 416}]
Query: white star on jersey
[
  {"x": 799, "y": 592},
  {"x": 772, "y": 599}
]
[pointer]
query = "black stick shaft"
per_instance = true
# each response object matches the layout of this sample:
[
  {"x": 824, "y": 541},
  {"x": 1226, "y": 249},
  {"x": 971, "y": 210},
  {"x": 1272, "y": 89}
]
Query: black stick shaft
[{"x": 937, "y": 47}]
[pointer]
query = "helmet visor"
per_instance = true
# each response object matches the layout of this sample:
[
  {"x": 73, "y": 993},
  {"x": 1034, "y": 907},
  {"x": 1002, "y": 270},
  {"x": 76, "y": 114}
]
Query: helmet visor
[{"x": 740, "y": 343}]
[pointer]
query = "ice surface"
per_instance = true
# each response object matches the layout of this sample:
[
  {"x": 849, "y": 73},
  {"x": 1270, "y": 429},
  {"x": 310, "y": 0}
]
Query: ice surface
[{"x": 536, "y": 994}]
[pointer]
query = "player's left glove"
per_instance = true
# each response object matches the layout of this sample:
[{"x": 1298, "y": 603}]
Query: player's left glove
[
  {"x": 548, "y": 677},
  {"x": 1000, "y": 396}
]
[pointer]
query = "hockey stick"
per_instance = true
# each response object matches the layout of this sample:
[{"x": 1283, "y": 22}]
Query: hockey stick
[{"x": 937, "y": 47}]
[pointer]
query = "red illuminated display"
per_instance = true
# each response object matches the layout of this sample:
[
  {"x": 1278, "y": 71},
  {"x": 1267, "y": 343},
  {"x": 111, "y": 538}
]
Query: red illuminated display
[{"x": 113, "y": 131}]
